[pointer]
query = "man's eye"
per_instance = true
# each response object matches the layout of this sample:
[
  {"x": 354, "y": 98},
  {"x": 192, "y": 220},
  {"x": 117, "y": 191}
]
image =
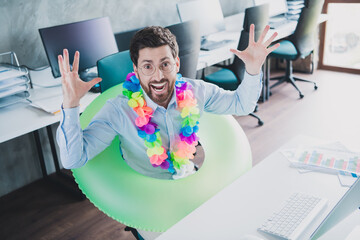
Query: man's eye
[
  {"x": 147, "y": 66},
  {"x": 166, "y": 64}
]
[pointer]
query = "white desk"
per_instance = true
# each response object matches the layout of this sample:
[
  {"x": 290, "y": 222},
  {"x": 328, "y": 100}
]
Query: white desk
[
  {"x": 22, "y": 118},
  {"x": 243, "y": 206},
  {"x": 19, "y": 119}
]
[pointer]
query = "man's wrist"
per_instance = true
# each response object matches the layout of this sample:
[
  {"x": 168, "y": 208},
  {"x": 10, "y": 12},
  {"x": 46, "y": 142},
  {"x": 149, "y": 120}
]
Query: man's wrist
[
  {"x": 71, "y": 104},
  {"x": 253, "y": 72}
]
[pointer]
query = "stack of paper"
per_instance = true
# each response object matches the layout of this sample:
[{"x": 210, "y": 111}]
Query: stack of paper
[
  {"x": 294, "y": 9},
  {"x": 14, "y": 85}
]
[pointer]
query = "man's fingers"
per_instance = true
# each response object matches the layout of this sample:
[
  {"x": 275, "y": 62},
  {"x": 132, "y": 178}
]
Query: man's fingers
[
  {"x": 263, "y": 34},
  {"x": 236, "y": 52},
  {"x": 251, "y": 33},
  {"x": 61, "y": 65},
  {"x": 66, "y": 62},
  {"x": 272, "y": 48},
  {"x": 94, "y": 82},
  {"x": 76, "y": 62},
  {"x": 271, "y": 39}
]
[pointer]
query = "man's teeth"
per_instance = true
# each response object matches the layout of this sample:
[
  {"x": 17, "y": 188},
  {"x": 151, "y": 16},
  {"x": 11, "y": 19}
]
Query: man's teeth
[{"x": 158, "y": 86}]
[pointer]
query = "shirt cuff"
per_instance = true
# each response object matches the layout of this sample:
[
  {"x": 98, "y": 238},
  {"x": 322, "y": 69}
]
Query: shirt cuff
[
  {"x": 251, "y": 80},
  {"x": 70, "y": 115}
]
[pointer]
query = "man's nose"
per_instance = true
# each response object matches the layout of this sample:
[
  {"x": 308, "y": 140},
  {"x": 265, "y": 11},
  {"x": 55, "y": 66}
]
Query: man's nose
[{"x": 159, "y": 74}]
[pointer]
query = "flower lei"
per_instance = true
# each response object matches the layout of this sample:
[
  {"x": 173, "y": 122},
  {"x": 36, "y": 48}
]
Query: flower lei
[{"x": 147, "y": 130}]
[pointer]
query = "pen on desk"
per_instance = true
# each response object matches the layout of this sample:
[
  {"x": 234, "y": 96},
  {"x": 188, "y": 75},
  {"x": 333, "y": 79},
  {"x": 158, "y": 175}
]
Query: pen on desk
[{"x": 58, "y": 111}]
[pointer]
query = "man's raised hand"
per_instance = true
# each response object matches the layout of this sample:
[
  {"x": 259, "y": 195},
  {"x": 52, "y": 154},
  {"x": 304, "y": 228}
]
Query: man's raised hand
[
  {"x": 255, "y": 54},
  {"x": 72, "y": 86}
]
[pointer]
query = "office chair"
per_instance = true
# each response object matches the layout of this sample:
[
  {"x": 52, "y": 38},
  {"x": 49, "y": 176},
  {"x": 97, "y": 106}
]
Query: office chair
[
  {"x": 188, "y": 38},
  {"x": 123, "y": 39},
  {"x": 300, "y": 44},
  {"x": 113, "y": 69},
  {"x": 230, "y": 77}
]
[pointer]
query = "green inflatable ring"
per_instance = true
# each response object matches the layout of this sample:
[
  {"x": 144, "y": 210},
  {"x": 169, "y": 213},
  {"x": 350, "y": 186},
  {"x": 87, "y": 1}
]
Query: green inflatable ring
[{"x": 153, "y": 204}]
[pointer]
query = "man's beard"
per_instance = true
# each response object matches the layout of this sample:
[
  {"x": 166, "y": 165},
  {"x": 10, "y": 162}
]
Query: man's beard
[{"x": 160, "y": 99}]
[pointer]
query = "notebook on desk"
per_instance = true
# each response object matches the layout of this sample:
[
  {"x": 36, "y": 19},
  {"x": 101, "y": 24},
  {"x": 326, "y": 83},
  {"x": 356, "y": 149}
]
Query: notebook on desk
[{"x": 50, "y": 105}]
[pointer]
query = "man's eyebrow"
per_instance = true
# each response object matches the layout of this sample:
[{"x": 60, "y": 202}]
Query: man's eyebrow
[
  {"x": 145, "y": 60},
  {"x": 151, "y": 61},
  {"x": 164, "y": 58}
]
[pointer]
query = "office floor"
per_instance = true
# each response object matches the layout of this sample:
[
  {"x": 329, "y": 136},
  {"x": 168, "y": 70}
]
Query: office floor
[{"x": 43, "y": 211}]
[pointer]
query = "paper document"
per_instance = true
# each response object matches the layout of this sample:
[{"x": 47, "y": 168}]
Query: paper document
[
  {"x": 9, "y": 100},
  {"x": 13, "y": 82},
  {"x": 50, "y": 105},
  {"x": 328, "y": 157},
  {"x": 7, "y": 72},
  {"x": 12, "y": 90}
]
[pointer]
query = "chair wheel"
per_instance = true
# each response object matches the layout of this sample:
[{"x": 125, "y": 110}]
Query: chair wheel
[
  {"x": 315, "y": 87},
  {"x": 301, "y": 95},
  {"x": 260, "y": 123}
]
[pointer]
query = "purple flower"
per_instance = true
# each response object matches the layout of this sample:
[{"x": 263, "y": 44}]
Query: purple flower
[
  {"x": 129, "y": 76},
  {"x": 149, "y": 128},
  {"x": 165, "y": 165}
]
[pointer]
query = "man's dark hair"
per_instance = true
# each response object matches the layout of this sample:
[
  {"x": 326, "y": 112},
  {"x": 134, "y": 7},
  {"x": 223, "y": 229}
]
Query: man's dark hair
[{"x": 152, "y": 37}]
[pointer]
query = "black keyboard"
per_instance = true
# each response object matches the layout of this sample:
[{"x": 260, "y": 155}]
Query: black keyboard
[{"x": 211, "y": 45}]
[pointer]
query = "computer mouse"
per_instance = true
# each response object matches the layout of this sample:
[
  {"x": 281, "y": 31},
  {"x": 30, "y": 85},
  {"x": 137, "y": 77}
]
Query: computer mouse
[{"x": 250, "y": 237}]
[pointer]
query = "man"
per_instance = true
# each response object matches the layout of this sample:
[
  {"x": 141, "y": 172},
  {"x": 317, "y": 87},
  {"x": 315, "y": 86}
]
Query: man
[
  {"x": 156, "y": 118},
  {"x": 150, "y": 123}
]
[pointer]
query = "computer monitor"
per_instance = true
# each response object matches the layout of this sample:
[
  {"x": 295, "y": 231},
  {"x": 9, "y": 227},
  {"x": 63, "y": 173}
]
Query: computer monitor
[
  {"x": 93, "y": 38},
  {"x": 349, "y": 203},
  {"x": 277, "y": 7},
  {"x": 207, "y": 12}
]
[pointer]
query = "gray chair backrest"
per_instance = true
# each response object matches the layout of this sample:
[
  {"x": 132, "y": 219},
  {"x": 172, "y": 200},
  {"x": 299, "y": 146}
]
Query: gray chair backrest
[
  {"x": 188, "y": 38},
  {"x": 259, "y": 16},
  {"x": 123, "y": 39},
  {"x": 304, "y": 35}
]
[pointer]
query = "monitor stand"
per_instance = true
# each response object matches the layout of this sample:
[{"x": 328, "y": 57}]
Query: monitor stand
[{"x": 88, "y": 75}]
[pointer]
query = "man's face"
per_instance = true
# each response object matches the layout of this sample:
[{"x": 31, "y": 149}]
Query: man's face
[{"x": 159, "y": 85}]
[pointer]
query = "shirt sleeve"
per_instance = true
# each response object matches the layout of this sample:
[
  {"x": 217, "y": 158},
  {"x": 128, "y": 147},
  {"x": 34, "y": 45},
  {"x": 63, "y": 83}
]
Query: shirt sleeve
[
  {"x": 77, "y": 146},
  {"x": 242, "y": 101}
]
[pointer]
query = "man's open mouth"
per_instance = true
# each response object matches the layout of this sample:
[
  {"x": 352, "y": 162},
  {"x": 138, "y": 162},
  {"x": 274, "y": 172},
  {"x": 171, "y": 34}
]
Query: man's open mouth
[{"x": 158, "y": 87}]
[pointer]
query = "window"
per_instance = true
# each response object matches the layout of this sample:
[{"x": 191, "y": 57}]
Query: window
[{"x": 341, "y": 36}]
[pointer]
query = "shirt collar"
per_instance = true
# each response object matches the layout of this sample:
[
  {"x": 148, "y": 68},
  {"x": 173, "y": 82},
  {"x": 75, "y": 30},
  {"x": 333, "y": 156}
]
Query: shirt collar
[{"x": 150, "y": 103}]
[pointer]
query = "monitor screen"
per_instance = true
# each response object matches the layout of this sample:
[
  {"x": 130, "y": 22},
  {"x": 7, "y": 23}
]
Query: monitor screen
[
  {"x": 349, "y": 203},
  {"x": 94, "y": 39},
  {"x": 277, "y": 7},
  {"x": 207, "y": 12}
]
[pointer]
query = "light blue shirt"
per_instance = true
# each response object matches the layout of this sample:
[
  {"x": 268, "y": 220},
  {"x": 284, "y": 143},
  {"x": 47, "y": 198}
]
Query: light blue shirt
[{"x": 116, "y": 118}]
